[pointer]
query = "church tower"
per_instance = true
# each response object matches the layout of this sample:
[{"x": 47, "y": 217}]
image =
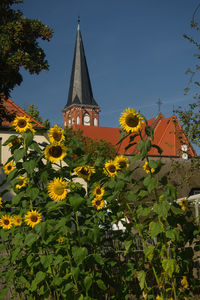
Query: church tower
[{"x": 81, "y": 108}]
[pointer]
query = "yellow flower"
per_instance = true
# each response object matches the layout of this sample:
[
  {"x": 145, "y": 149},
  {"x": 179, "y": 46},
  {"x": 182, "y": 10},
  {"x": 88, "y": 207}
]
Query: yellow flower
[
  {"x": 131, "y": 121},
  {"x": 84, "y": 172},
  {"x": 147, "y": 169},
  {"x": 14, "y": 142},
  {"x": 98, "y": 203},
  {"x": 144, "y": 295},
  {"x": 183, "y": 204},
  {"x": 1, "y": 204},
  {"x": 111, "y": 168},
  {"x": 32, "y": 218},
  {"x": 98, "y": 191},
  {"x": 6, "y": 222},
  {"x": 121, "y": 160},
  {"x": 56, "y": 134},
  {"x": 55, "y": 152},
  {"x": 61, "y": 239},
  {"x": 22, "y": 181},
  {"x": 184, "y": 282},
  {"x": 17, "y": 220},
  {"x": 22, "y": 124},
  {"x": 57, "y": 189},
  {"x": 159, "y": 298},
  {"x": 9, "y": 167}
]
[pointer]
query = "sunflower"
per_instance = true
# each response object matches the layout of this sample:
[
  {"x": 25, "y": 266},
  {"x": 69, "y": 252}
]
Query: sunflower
[
  {"x": 147, "y": 168},
  {"x": 56, "y": 135},
  {"x": 17, "y": 220},
  {"x": 57, "y": 189},
  {"x": 111, "y": 168},
  {"x": 183, "y": 204},
  {"x": 9, "y": 167},
  {"x": 130, "y": 120},
  {"x": 1, "y": 204},
  {"x": 61, "y": 239},
  {"x": 98, "y": 191},
  {"x": 22, "y": 124},
  {"x": 14, "y": 142},
  {"x": 98, "y": 203},
  {"x": 21, "y": 182},
  {"x": 6, "y": 222},
  {"x": 55, "y": 152},
  {"x": 121, "y": 160},
  {"x": 84, "y": 172},
  {"x": 32, "y": 218}
]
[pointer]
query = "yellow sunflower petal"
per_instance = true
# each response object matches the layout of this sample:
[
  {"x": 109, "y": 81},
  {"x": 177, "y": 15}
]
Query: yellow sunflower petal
[
  {"x": 55, "y": 152},
  {"x": 111, "y": 168},
  {"x": 84, "y": 172},
  {"x": 9, "y": 167},
  {"x": 57, "y": 189},
  {"x": 98, "y": 191},
  {"x": 17, "y": 220},
  {"x": 121, "y": 160},
  {"x": 6, "y": 222},
  {"x": 98, "y": 203},
  {"x": 22, "y": 181},
  {"x": 32, "y": 218},
  {"x": 131, "y": 121},
  {"x": 22, "y": 124},
  {"x": 56, "y": 134}
]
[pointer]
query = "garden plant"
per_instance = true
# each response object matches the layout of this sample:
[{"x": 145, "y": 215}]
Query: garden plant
[{"x": 60, "y": 234}]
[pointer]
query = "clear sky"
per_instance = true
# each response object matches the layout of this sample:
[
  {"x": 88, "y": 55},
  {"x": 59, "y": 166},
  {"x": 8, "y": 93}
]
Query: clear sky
[{"x": 135, "y": 52}]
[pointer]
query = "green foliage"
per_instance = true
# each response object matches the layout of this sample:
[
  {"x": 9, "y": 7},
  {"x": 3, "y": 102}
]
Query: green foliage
[
  {"x": 19, "y": 45},
  {"x": 33, "y": 112},
  {"x": 73, "y": 252}
]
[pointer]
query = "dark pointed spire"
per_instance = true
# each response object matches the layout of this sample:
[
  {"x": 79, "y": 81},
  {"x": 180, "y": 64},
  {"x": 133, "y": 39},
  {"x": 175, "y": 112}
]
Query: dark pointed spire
[{"x": 80, "y": 90}]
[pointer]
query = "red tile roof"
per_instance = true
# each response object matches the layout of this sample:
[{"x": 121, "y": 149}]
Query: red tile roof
[
  {"x": 9, "y": 110},
  {"x": 168, "y": 135}
]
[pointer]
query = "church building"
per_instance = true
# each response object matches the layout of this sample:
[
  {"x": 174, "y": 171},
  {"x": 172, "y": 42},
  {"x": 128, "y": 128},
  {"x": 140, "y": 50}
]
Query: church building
[{"x": 82, "y": 111}]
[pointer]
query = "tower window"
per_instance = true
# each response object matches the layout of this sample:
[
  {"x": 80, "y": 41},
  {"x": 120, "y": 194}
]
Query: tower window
[
  {"x": 86, "y": 119},
  {"x": 78, "y": 120}
]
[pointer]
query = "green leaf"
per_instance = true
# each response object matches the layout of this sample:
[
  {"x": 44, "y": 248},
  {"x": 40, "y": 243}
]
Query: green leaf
[
  {"x": 76, "y": 201},
  {"x": 29, "y": 166},
  {"x": 28, "y": 137},
  {"x": 155, "y": 228},
  {"x": 34, "y": 146},
  {"x": 30, "y": 239},
  {"x": 19, "y": 154},
  {"x": 16, "y": 199},
  {"x": 149, "y": 252},
  {"x": 40, "y": 276},
  {"x": 75, "y": 272},
  {"x": 141, "y": 278},
  {"x": 150, "y": 183},
  {"x": 87, "y": 283},
  {"x": 10, "y": 139},
  {"x": 79, "y": 254},
  {"x": 162, "y": 208},
  {"x": 169, "y": 266},
  {"x": 149, "y": 131},
  {"x": 172, "y": 234},
  {"x": 143, "y": 211},
  {"x": 58, "y": 260},
  {"x": 32, "y": 192},
  {"x": 99, "y": 259},
  {"x": 46, "y": 260},
  {"x": 101, "y": 285},
  {"x": 127, "y": 245}
]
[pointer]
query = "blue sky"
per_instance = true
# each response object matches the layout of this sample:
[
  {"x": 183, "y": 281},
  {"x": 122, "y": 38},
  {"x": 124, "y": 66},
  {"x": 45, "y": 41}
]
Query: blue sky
[{"x": 135, "y": 52}]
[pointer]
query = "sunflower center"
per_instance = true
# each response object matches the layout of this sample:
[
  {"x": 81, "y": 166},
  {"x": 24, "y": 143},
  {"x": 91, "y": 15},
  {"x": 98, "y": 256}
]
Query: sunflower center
[
  {"x": 59, "y": 189},
  {"x": 6, "y": 222},
  {"x": 21, "y": 182},
  {"x": 22, "y": 123},
  {"x": 57, "y": 136},
  {"x": 132, "y": 121},
  {"x": 9, "y": 167},
  {"x": 98, "y": 202},
  {"x": 55, "y": 151},
  {"x": 98, "y": 191},
  {"x": 112, "y": 168},
  {"x": 34, "y": 218},
  {"x": 84, "y": 171}
]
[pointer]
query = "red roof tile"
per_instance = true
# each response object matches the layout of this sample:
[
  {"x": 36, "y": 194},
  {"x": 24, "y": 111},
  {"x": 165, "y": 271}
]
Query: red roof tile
[
  {"x": 168, "y": 135},
  {"x": 9, "y": 110}
]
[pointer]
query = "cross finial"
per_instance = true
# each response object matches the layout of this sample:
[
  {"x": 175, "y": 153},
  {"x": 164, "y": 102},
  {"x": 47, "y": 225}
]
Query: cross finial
[{"x": 159, "y": 104}]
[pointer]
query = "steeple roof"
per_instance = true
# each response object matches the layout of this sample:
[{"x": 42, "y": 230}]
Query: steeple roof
[{"x": 80, "y": 90}]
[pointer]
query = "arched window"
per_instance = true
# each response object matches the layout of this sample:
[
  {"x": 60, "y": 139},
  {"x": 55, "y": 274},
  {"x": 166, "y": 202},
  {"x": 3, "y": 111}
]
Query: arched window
[
  {"x": 78, "y": 120},
  {"x": 95, "y": 122}
]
